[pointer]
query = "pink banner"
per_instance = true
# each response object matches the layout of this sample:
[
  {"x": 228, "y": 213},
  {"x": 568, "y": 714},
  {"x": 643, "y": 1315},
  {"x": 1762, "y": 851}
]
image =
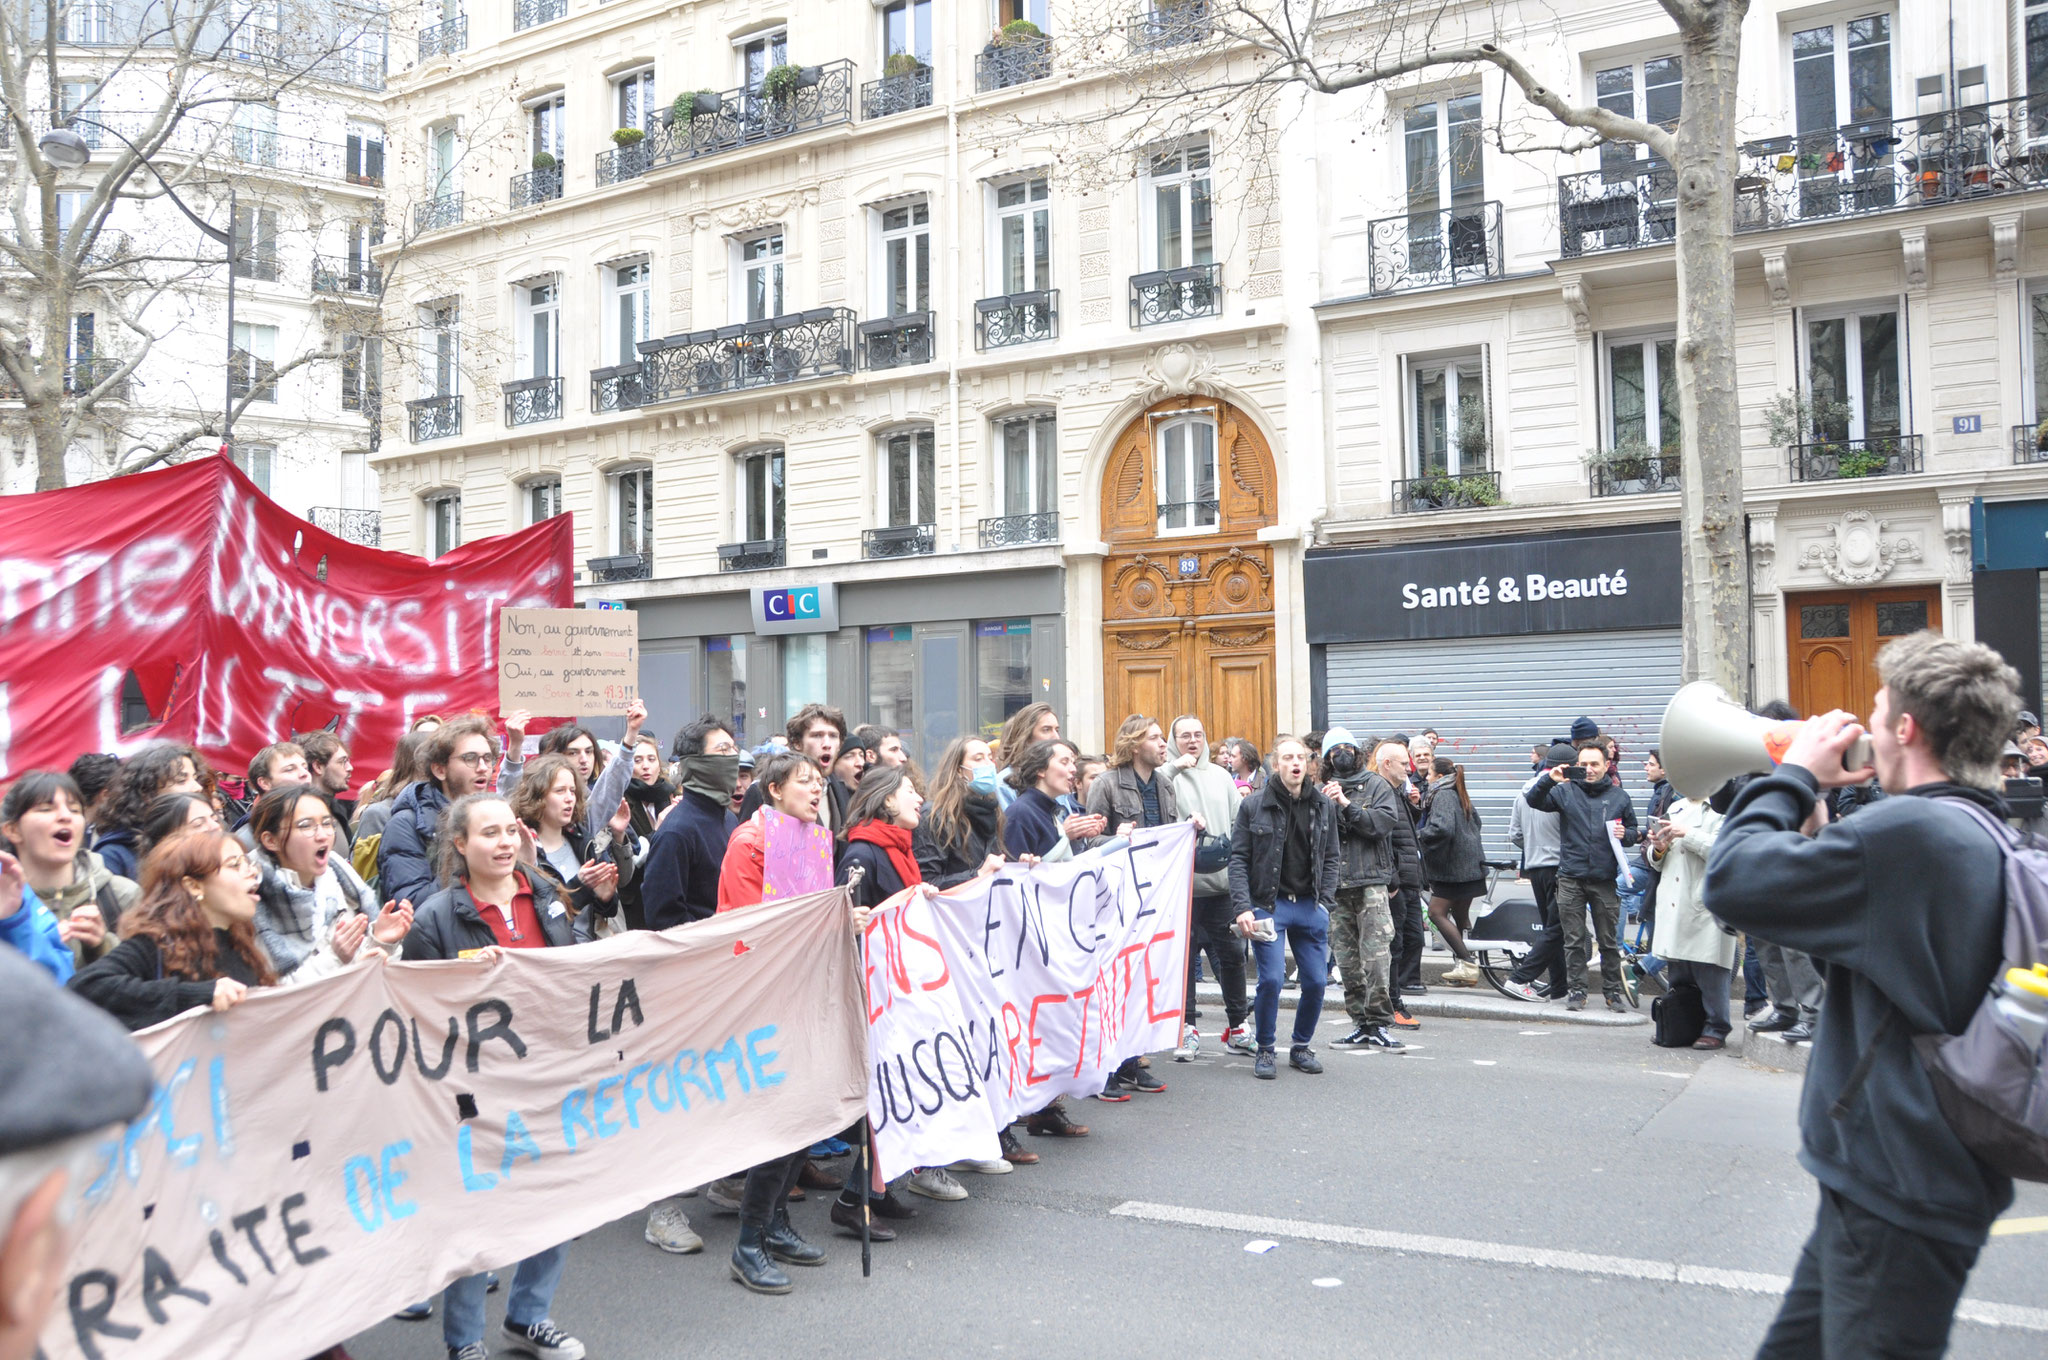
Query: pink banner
[{"x": 796, "y": 856}]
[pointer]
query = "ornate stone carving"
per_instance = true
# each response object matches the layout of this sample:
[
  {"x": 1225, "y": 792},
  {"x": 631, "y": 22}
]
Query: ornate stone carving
[
  {"x": 1178, "y": 369},
  {"x": 2005, "y": 245},
  {"x": 1955, "y": 528},
  {"x": 1776, "y": 279},
  {"x": 1913, "y": 246},
  {"x": 1577, "y": 303},
  {"x": 1859, "y": 554},
  {"x": 1763, "y": 553}
]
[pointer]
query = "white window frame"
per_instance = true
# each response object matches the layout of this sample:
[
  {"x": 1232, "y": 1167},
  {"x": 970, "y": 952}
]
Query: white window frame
[
  {"x": 362, "y": 389},
  {"x": 1619, "y": 158},
  {"x": 1183, "y": 179},
  {"x": 774, "y": 265},
  {"x": 1653, "y": 373},
  {"x": 1037, "y": 11},
  {"x": 617, "y": 291},
  {"x": 892, "y": 241},
  {"x": 548, "y": 490},
  {"x": 776, "y": 516},
  {"x": 885, "y": 456},
  {"x": 444, "y": 175},
  {"x": 1839, "y": 21},
  {"x": 1035, "y": 212},
  {"x": 441, "y": 528},
  {"x": 256, "y": 460},
  {"x": 1849, "y": 315},
  {"x": 366, "y": 135},
  {"x": 1185, "y": 423},
  {"x": 635, "y": 87},
  {"x": 1449, "y": 195},
  {"x": 637, "y": 482},
  {"x": 1042, "y": 455},
  {"x": 530, "y": 310},
  {"x": 355, "y": 480},
  {"x": 2034, "y": 352},
  {"x": 69, "y": 203},
  {"x": 910, "y": 8},
  {"x": 441, "y": 366},
  {"x": 1412, "y": 368},
  {"x": 774, "y": 46},
  {"x": 258, "y": 340},
  {"x": 87, "y": 21},
  {"x": 547, "y": 119}
]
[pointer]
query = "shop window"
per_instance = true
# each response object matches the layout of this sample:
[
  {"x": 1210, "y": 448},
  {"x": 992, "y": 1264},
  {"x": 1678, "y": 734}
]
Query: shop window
[
  {"x": 1853, "y": 371},
  {"x": 1642, "y": 394},
  {"x": 1447, "y": 418},
  {"x": 1002, "y": 672},
  {"x": 909, "y": 478},
  {"x": 725, "y": 682},
  {"x": 543, "y": 498},
  {"x": 892, "y": 674},
  {"x": 803, "y": 672}
]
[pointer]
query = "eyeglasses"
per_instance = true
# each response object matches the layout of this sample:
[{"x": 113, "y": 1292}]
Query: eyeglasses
[
  {"x": 314, "y": 824},
  {"x": 474, "y": 759}
]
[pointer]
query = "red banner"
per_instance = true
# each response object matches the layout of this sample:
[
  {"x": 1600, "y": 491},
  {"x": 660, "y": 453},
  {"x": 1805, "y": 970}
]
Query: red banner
[{"x": 242, "y": 622}]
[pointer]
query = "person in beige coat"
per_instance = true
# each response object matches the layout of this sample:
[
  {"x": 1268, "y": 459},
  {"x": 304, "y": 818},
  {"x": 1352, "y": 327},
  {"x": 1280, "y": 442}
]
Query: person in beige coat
[{"x": 1696, "y": 947}]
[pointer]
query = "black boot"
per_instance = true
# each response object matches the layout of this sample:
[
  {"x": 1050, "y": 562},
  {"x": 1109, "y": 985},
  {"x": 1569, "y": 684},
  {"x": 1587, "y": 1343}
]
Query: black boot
[
  {"x": 786, "y": 1246},
  {"x": 751, "y": 1265}
]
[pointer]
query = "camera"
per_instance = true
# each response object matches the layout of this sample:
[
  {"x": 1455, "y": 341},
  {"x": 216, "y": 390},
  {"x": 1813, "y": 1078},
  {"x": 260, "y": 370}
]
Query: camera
[
  {"x": 1575, "y": 773},
  {"x": 2024, "y": 798}
]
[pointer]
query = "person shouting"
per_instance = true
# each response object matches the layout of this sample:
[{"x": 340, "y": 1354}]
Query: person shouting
[
  {"x": 313, "y": 914},
  {"x": 42, "y": 820},
  {"x": 549, "y": 804},
  {"x": 1285, "y": 865}
]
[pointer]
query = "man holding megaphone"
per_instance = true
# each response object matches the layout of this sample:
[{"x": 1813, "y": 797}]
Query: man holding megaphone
[{"x": 1903, "y": 907}]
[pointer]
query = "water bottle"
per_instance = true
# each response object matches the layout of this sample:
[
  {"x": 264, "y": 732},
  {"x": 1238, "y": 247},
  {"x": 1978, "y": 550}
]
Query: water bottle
[{"x": 2023, "y": 1000}]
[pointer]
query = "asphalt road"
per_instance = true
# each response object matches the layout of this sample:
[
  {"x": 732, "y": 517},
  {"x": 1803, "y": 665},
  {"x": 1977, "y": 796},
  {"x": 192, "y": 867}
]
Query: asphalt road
[{"x": 1506, "y": 1189}]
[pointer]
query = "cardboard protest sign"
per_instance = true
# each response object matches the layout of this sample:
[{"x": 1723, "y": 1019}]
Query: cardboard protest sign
[
  {"x": 320, "y": 1156},
  {"x": 796, "y": 856},
  {"x": 563, "y": 662},
  {"x": 986, "y": 1002}
]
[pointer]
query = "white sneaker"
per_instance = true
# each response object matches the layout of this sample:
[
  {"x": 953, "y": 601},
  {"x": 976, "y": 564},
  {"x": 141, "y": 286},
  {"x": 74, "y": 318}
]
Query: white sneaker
[
  {"x": 669, "y": 1228},
  {"x": 1190, "y": 1044},
  {"x": 543, "y": 1340},
  {"x": 934, "y": 1182},
  {"x": 1526, "y": 992},
  {"x": 994, "y": 1167},
  {"x": 1239, "y": 1040}
]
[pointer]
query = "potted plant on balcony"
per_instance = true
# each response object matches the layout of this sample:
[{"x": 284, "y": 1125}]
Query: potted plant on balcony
[
  {"x": 1799, "y": 418},
  {"x": 902, "y": 64},
  {"x": 781, "y": 83},
  {"x": 1017, "y": 33},
  {"x": 543, "y": 161},
  {"x": 628, "y": 136}
]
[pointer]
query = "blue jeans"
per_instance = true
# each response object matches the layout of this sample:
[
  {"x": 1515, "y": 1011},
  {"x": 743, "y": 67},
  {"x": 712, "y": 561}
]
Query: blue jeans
[
  {"x": 533, "y": 1289},
  {"x": 1305, "y": 926}
]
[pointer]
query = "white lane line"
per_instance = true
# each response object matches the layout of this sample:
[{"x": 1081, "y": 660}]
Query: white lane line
[{"x": 1542, "y": 1258}]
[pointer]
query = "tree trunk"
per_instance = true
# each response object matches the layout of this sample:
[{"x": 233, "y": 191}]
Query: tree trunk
[{"x": 1716, "y": 557}]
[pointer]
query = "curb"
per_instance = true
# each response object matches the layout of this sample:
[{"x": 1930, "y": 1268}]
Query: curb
[{"x": 1476, "y": 1007}]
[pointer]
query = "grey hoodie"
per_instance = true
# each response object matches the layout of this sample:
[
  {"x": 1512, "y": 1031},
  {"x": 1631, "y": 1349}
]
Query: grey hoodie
[{"x": 1206, "y": 790}]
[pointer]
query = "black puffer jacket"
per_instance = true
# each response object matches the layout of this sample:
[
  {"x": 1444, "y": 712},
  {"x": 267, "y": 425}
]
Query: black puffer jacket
[
  {"x": 1407, "y": 850},
  {"x": 949, "y": 865},
  {"x": 448, "y": 926},
  {"x": 1583, "y": 812}
]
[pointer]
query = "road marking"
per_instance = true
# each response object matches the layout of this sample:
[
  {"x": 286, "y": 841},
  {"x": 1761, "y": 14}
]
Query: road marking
[
  {"x": 1484, "y": 1062},
  {"x": 1659, "y": 1072},
  {"x": 2008, "y": 1227},
  {"x": 1541, "y": 1258}
]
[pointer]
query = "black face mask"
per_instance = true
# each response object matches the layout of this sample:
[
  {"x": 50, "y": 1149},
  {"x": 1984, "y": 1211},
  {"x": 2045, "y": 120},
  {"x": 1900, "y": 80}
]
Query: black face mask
[{"x": 1343, "y": 761}]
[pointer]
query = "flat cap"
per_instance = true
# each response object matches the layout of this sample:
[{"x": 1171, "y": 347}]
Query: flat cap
[{"x": 66, "y": 1066}]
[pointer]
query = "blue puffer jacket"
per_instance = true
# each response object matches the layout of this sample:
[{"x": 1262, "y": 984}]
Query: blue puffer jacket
[
  {"x": 412, "y": 840},
  {"x": 33, "y": 931}
]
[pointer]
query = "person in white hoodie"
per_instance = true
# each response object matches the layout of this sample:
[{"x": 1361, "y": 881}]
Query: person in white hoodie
[{"x": 1202, "y": 788}]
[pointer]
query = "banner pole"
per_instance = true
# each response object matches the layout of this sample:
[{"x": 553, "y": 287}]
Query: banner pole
[{"x": 867, "y": 1172}]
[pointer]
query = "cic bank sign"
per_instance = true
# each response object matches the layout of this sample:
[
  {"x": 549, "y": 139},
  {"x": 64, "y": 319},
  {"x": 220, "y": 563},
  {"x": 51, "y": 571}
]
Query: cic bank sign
[{"x": 795, "y": 609}]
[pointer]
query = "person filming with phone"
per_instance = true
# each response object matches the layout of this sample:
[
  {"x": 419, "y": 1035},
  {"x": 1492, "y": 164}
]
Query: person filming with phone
[
  {"x": 1594, "y": 819},
  {"x": 1903, "y": 907}
]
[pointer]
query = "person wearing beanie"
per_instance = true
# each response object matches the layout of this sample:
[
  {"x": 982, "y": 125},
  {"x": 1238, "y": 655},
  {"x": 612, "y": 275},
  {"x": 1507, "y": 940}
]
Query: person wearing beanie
[
  {"x": 1583, "y": 731},
  {"x": 1362, "y": 926}
]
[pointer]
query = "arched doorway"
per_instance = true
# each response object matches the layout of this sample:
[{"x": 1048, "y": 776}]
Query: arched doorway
[{"x": 1187, "y": 588}]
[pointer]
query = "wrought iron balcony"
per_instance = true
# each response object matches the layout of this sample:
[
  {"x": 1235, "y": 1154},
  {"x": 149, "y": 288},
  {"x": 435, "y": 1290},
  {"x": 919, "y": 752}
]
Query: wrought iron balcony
[
  {"x": 531, "y": 400},
  {"x": 622, "y": 163},
  {"x": 1617, "y": 208},
  {"x": 1016, "y": 319},
  {"x": 782, "y": 349},
  {"x": 1843, "y": 459},
  {"x": 347, "y": 278},
  {"x": 1446, "y": 491},
  {"x": 900, "y": 93},
  {"x": 624, "y": 567},
  {"x": 823, "y": 97},
  {"x": 622, "y": 387},
  {"x": 900, "y": 540},
  {"x": 1176, "y": 294},
  {"x": 2030, "y": 443},
  {"x": 1179, "y": 516},
  {"x": 434, "y": 418},
  {"x": 444, "y": 39},
  {"x": 83, "y": 376},
  {"x": 753, "y": 555},
  {"x": 896, "y": 341},
  {"x": 437, "y": 213},
  {"x": 1008, "y": 531},
  {"x": 1169, "y": 25},
  {"x": 528, "y": 13},
  {"x": 1435, "y": 249},
  {"x": 357, "y": 526},
  {"x": 1633, "y": 474},
  {"x": 1018, "y": 61},
  {"x": 536, "y": 186}
]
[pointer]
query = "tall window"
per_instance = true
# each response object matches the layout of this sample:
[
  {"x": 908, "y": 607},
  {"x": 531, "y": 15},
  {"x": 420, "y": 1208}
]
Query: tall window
[
  {"x": 2037, "y": 67},
  {"x": 87, "y": 22},
  {"x": 1448, "y": 417},
  {"x": 255, "y": 242},
  {"x": 78, "y": 341},
  {"x": 1183, "y": 232},
  {"x": 1441, "y": 144},
  {"x": 255, "y": 362},
  {"x": 633, "y": 513},
  {"x": 761, "y": 54},
  {"x": 362, "y": 374},
  {"x": 365, "y": 153},
  {"x": 1642, "y": 394},
  {"x": 907, "y": 259},
  {"x": 444, "y": 523},
  {"x": 2037, "y": 326},
  {"x": 1030, "y": 465},
  {"x": 255, "y": 460},
  {"x": 632, "y": 307},
  {"x": 907, "y": 30},
  {"x": 909, "y": 478},
  {"x": 1854, "y": 361},
  {"x": 543, "y": 498},
  {"x": 761, "y": 276},
  {"x": 355, "y": 479},
  {"x": 544, "y": 126},
  {"x": 363, "y": 237},
  {"x": 1024, "y": 230},
  {"x": 1651, "y": 86},
  {"x": 635, "y": 101},
  {"x": 759, "y": 500},
  {"x": 70, "y": 203},
  {"x": 1187, "y": 473},
  {"x": 75, "y": 99},
  {"x": 441, "y": 159},
  {"x": 543, "y": 338},
  {"x": 1842, "y": 76},
  {"x": 440, "y": 371},
  {"x": 256, "y": 134}
]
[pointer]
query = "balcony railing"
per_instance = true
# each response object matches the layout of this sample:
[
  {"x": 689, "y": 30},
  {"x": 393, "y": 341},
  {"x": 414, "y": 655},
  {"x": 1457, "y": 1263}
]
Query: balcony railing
[
  {"x": 434, "y": 418},
  {"x": 1170, "y": 25},
  {"x": 1018, "y": 61},
  {"x": 357, "y": 526},
  {"x": 445, "y": 39},
  {"x": 437, "y": 213},
  {"x": 624, "y": 567},
  {"x": 2029, "y": 443},
  {"x": 530, "y": 400},
  {"x": 823, "y": 97},
  {"x": 901, "y": 540},
  {"x": 253, "y": 265},
  {"x": 1843, "y": 459},
  {"x": 1176, "y": 294},
  {"x": 622, "y": 163},
  {"x": 1017, "y": 319},
  {"x": 1435, "y": 249},
  {"x": 1008, "y": 531},
  {"x": 622, "y": 387},
  {"x": 782, "y": 349},
  {"x": 1614, "y": 209},
  {"x": 896, "y": 341},
  {"x": 536, "y": 186},
  {"x": 1633, "y": 474},
  {"x": 753, "y": 555},
  {"x": 81, "y": 377},
  {"x": 1180, "y": 516},
  {"x": 900, "y": 93},
  {"x": 527, "y": 13},
  {"x": 1446, "y": 491},
  {"x": 347, "y": 278}
]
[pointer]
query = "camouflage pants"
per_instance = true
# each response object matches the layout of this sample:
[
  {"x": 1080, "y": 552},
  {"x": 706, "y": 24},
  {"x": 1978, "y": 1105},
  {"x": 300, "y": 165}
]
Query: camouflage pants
[{"x": 1361, "y": 931}]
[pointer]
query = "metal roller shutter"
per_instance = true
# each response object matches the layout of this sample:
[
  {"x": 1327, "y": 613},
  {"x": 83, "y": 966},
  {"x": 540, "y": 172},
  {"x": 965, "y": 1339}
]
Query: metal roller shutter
[{"x": 1494, "y": 697}]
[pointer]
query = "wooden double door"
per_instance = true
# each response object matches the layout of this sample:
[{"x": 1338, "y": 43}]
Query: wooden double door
[
  {"x": 1833, "y": 638},
  {"x": 1187, "y": 588}
]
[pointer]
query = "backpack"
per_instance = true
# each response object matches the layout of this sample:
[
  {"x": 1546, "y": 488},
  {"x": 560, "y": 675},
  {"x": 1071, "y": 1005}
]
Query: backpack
[
  {"x": 1992, "y": 1090},
  {"x": 1680, "y": 1016},
  {"x": 363, "y": 859}
]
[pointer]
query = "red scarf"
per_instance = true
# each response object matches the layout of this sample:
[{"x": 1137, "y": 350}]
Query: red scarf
[{"x": 895, "y": 840}]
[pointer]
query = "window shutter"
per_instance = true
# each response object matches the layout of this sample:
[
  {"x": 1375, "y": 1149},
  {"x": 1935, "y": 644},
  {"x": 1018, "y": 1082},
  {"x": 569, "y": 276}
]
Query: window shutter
[
  {"x": 355, "y": 156},
  {"x": 373, "y": 161}
]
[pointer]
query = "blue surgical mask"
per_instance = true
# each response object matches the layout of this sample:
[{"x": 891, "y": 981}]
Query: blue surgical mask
[{"x": 985, "y": 778}]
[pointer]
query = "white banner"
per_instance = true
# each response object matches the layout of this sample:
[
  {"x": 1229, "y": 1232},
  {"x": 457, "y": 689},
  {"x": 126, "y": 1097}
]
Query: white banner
[{"x": 987, "y": 1002}]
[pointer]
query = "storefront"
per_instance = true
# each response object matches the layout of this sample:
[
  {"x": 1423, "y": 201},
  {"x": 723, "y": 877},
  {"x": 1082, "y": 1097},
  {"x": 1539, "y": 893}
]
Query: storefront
[
  {"x": 929, "y": 657},
  {"x": 2009, "y": 561},
  {"x": 1498, "y": 644}
]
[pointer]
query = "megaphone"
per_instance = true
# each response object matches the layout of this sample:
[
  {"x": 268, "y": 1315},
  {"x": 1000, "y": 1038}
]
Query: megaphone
[{"x": 1708, "y": 739}]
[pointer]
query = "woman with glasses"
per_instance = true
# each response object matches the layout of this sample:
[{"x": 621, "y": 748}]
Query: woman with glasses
[{"x": 313, "y": 913}]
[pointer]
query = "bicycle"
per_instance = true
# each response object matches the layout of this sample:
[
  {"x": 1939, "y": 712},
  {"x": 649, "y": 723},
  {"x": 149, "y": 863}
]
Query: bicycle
[{"x": 1502, "y": 937}]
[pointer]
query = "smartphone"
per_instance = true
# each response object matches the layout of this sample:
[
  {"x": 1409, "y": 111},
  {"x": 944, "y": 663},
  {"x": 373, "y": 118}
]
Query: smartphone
[{"x": 1575, "y": 773}]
